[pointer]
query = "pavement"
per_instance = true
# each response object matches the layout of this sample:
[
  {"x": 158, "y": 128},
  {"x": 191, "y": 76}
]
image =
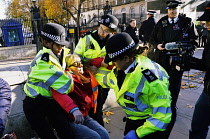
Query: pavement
[{"x": 15, "y": 73}]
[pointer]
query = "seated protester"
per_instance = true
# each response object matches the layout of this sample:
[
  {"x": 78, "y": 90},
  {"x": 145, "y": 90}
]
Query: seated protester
[
  {"x": 141, "y": 89},
  {"x": 5, "y": 104},
  {"x": 82, "y": 98}
]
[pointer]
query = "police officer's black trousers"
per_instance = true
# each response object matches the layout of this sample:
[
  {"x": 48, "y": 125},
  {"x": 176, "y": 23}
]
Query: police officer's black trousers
[
  {"x": 134, "y": 124},
  {"x": 44, "y": 114},
  {"x": 102, "y": 96}
]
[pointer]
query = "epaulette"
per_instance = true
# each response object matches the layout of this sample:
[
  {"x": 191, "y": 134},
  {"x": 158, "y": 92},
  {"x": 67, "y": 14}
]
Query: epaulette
[
  {"x": 86, "y": 33},
  {"x": 45, "y": 57},
  {"x": 149, "y": 75}
]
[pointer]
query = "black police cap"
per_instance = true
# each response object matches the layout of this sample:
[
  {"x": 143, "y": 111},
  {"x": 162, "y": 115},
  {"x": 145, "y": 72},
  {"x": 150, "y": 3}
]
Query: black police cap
[
  {"x": 152, "y": 12},
  {"x": 119, "y": 44},
  {"x": 172, "y": 4},
  {"x": 110, "y": 21},
  {"x": 55, "y": 32},
  {"x": 206, "y": 14}
]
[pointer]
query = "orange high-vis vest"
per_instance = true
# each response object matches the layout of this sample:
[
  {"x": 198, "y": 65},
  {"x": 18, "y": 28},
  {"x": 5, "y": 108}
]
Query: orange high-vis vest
[{"x": 94, "y": 85}]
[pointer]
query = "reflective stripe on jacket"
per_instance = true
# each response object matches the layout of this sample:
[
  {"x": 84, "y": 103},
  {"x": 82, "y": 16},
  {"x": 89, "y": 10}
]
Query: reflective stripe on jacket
[
  {"x": 47, "y": 73},
  {"x": 141, "y": 98},
  {"x": 94, "y": 85}
]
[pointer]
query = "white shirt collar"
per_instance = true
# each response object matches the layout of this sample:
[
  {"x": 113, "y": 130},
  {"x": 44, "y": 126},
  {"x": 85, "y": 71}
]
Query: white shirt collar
[
  {"x": 175, "y": 20},
  {"x": 131, "y": 66}
]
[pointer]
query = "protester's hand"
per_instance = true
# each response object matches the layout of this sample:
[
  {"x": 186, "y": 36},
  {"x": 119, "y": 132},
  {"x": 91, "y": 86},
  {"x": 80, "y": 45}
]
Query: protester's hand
[
  {"x": 160, "y": 47},
  {"x": 79, "y": 119},
  {"x": 131, "y": 135},
  {"x": 104, "y": 64}
]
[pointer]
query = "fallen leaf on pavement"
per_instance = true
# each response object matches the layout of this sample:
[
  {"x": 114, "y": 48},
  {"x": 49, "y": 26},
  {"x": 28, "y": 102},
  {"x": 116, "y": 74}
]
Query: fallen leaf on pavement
[
  {"x": 191, "y": 75},
  {"x": 201, "y": 81},
  {"x": 189, "y": 106},
  {"x": 108, "y": 113},
  {"x": 184, "y": 87},
  {"x": 192, "y": 86},
  {"x": 106, "y": 120},
  {"x": 183, "y": 83}
]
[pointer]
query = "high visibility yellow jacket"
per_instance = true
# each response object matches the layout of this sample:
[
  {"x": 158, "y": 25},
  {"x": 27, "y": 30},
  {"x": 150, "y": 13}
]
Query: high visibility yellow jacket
[
  {"x": 144, "y": 95},
  {"x": 45, "y": 73},
  {"x": 88, "y": 48}
]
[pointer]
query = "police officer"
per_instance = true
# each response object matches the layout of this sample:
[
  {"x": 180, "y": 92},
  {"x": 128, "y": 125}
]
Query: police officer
[
  {"x": 132, "y": 30},
  {"x": 47, "y": 73},
  {"x": 141, "y": 88},
  {"x": 147, "y": 27},
  {"x": 201, "y": 116},
  {"x": 172, "y": 28},
  {"x": 91, "y": 47}
]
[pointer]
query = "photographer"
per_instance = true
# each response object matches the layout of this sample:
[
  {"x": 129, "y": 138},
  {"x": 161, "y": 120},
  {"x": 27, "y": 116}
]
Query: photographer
[
  {"x": 201, "y": 115},
  {"x": 171, "y": 28}
]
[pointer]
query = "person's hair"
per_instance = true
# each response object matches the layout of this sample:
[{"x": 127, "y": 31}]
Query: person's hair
[
  {"x": 70, "y": 59},
  {"x": 132, "y": 20}
]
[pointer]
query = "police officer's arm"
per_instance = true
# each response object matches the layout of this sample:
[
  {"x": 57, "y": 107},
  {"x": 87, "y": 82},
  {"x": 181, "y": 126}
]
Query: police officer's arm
[
  {"x": 159, "y": 102},
  {"x": 154, "y": 37},
  {"x": 141, "y": 30},
  {"x": 52, "y": 77},
  {"x": 80, "y": 48}
]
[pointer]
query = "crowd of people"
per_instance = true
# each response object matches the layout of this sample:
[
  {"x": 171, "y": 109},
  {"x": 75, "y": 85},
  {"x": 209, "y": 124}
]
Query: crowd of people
[{"x": 66, "y": 92}]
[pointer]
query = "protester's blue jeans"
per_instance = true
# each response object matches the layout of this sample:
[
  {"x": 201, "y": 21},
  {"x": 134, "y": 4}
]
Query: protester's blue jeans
[
  {"x": 90, "y": 129},
  {"x": 201, "y": 118}
]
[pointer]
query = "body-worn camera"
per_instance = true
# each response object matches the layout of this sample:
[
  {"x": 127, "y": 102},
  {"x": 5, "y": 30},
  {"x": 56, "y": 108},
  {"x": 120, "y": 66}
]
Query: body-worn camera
[{"x": 180, "y": 54}]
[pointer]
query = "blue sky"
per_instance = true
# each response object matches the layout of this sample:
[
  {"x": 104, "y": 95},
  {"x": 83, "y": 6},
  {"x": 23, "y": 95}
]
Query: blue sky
[{"x": 2, "y": 10}]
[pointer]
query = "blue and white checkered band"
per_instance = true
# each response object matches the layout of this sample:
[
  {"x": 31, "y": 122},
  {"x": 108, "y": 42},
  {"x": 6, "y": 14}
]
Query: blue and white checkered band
[
  {"x": 52, "y": 37},
  {"x": 115, "y": 54},
  {"x": 112, "y": 25}
]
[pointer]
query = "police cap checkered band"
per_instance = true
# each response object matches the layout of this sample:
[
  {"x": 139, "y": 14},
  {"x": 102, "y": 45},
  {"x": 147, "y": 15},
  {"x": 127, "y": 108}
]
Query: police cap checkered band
[
  {"x": 115, "y": 54},
  {"x": 55, "y": 32},
  {"x": 52, "y": 37},
  {"x": 119, "y": 44}
]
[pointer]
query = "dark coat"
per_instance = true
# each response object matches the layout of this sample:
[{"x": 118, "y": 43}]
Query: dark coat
[
  {"x": 133, "y": 33},
  {"x": 157, "y": 37},
  {"x": 146, "y": 29}
]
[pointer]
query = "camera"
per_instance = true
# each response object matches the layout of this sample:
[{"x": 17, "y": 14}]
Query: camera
[{"x": 180, "y": 53}]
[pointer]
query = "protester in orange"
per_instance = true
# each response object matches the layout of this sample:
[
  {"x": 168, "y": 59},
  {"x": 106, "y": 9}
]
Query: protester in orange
[{"x": 78, "y": 102}]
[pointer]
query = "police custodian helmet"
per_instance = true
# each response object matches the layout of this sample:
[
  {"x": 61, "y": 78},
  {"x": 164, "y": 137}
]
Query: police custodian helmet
[
  {"x": 119, "y": 44},
  {"x": 55, "y": 32},
  {"x": 109, "y": 21}
]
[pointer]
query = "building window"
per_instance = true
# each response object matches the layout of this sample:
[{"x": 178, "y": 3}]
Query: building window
[
  {"x": 123, "y": 1},
  {"x": 84, "y": 20},
  {"x": 142, "y": 11},
  {"x": 115, "y": 2},
  {"x": 114, "y": 12},
  {"x": 89, "y": 18},
  {"x": 132, "y": 13}
]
